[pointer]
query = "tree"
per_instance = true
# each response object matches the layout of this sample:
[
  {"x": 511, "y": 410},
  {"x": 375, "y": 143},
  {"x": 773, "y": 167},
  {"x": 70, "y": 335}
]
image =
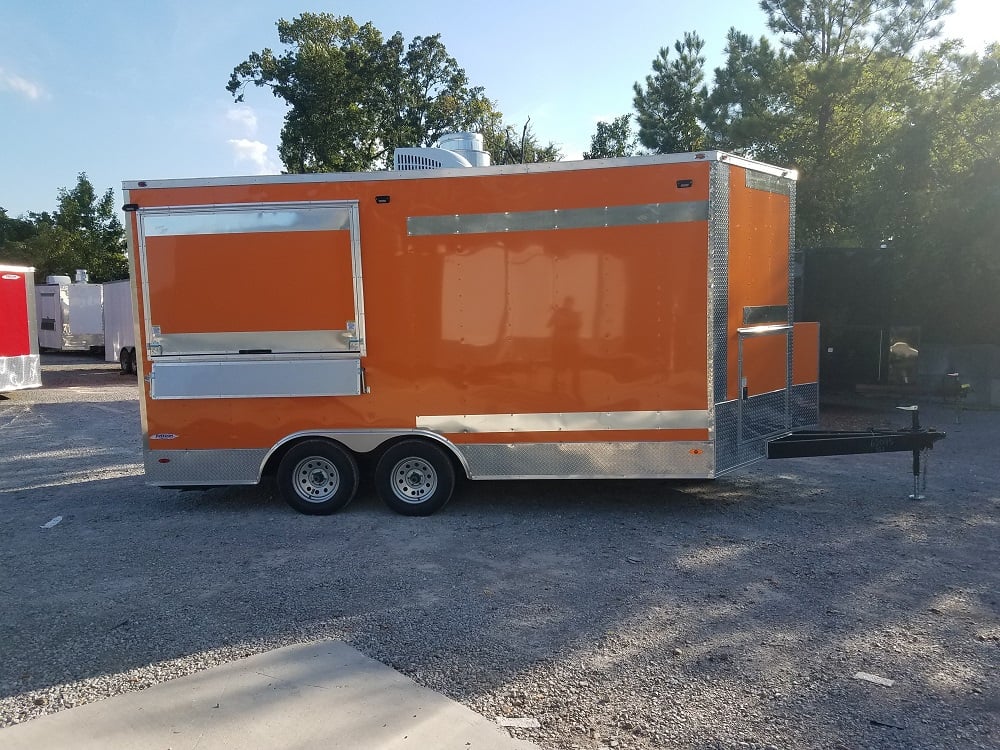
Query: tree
[
  {"x": 896, "y": 139},
  {"x": 943, "y": 174},
  {"x": 354, "y": 96},
  {"x": 508, "y": 146},
  {"x": 83, "y": 232},
  {"x": 850, "y": 66},
  {"x": 613, "y": 139},
  {"x": 671, "y": 105},
  {"x": 749, "y": 100}
]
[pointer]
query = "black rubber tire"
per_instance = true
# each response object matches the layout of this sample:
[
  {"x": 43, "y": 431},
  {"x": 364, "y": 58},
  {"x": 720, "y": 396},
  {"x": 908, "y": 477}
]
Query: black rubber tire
[
  {"x": 123, "y": 361},
  {"x": 415, "y": 477},
  {"x": 133, "y": 366},
  {"x": 318, "y": 477}
]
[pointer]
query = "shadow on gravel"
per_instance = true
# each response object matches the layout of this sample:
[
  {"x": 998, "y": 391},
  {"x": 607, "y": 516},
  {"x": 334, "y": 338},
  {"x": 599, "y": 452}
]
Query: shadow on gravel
[{"x": 643, "y": 611}]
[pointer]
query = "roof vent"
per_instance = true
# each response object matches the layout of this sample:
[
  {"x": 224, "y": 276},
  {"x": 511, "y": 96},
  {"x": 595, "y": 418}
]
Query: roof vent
[
  {"x": 57, "y": 280},
  {"x": 454, "y": 150},
  {"x": 427, "y": 158},
  {"x": 81, "y": 276}
]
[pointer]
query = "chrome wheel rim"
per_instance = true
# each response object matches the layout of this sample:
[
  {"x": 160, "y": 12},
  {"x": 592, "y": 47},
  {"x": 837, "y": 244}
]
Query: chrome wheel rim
[
  {"x": 414, "y": 480},
  {"x": 315, "y": 479}
]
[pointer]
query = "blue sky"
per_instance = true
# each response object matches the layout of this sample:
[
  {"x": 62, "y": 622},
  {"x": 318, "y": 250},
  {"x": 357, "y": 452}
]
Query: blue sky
[{"x": 128, "y": 91}]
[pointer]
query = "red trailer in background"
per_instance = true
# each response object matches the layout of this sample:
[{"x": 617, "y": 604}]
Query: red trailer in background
[{"x": 20, "y": 366}]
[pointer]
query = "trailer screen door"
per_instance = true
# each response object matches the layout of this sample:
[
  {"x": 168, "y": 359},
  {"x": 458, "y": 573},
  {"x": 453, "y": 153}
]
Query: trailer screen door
[{"x": 261, "y": 279}]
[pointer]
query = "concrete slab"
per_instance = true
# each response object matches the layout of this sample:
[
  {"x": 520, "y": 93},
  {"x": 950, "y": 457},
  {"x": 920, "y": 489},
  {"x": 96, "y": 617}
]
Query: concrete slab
[{"x": 314, "y": 695}]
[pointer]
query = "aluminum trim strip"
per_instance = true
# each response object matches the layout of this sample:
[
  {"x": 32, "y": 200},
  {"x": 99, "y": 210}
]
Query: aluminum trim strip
[
  {"x": 242, "y": 219},
  {"x": 365, "y": 441},
  {"x": 568, "y": 422},
  {"x": 572, "y": 218},
  {"x": 277, "y": 342},
  {"x": 765, "y": 330},
  {"x": 418, "y": 174},
  {"x": 255, "y": 379}
]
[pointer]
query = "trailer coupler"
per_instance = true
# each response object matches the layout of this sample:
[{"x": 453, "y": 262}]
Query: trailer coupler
[{"x": 811, "y": 443}]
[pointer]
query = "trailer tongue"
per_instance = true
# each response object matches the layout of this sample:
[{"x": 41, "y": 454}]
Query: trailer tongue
[{"x": 811, "y": 443}]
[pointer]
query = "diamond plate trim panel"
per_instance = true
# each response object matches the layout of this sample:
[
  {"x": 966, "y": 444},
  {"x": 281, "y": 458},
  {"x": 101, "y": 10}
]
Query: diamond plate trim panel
[
  {"x": 675, "y": 460},
  {"x": 204, "y": 467},
  {"x": 759, "y": 413},
  {"x": 718, "y": 279},
  {"x": 24, "y": 371},
  {"x": 764, "y": 415},
  {"x": 805, "y": 405}
]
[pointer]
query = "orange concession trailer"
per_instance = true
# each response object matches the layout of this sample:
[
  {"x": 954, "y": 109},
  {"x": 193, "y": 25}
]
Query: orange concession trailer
[{"x": 592, "y": 319}]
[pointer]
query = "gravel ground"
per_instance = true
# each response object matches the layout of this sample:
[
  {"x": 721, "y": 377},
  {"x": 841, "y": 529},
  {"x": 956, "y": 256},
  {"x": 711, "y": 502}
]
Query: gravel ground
[{"x": 639, "y": 614}]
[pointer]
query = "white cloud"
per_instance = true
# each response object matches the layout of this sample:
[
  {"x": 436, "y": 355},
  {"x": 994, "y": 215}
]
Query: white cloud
[
  {"x": 255, "y": 152},
  {"x": 13, "y": 82},
  {"x": 245, "y": 118}
]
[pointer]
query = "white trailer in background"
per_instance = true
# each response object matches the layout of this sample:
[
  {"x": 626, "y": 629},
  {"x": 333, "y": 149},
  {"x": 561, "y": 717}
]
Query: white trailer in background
[
  {"x": 20, "y": 366},
  {"x": 119, "y": 328},
  {"x": 70, "y": 314}
]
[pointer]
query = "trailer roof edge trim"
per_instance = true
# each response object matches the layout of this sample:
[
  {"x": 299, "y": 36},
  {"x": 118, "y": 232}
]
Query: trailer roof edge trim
[{"x": 417, "y": 174}]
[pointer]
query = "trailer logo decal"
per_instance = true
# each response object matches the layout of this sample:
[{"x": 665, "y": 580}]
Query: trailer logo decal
[
  {"x": 11, "y": 277},
  {"x": 163, "y": 436}
]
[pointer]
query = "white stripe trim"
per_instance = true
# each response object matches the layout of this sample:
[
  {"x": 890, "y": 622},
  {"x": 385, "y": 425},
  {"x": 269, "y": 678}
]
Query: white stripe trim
[{"x": 568, "y": 422}]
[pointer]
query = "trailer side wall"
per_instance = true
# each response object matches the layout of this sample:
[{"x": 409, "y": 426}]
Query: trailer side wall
[{"x": 20, "y": 366}]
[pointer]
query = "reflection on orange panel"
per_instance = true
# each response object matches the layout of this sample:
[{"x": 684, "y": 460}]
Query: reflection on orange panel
[
  {"x": 758, "y": 258},
  {"x": 246, "y": 282},
  {"x": 805, "y": 353},
  {"x": 473, "y": 193},
  {"x": 765, "y": 363}
]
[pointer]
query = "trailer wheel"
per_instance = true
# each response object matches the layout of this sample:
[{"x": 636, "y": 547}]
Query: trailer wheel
[
  {"x": 124, "y": 361},
  {"x": 133, "y": 366},
  {"x": 415, "y": 478},
  {"x": 318, "y": 477}
]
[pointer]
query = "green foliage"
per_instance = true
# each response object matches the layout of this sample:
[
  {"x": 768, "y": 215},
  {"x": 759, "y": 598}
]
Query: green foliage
[
  {"x": 508, "y": 146},
  {"x": 897, "y": 141},
  {"x": 670, "y": 106},
  {"x": 749, "y": 101},
  {"x": 354, "y": 96},
  {"x": 83, "y": 232},
  {"x": 613, "y": 139}
]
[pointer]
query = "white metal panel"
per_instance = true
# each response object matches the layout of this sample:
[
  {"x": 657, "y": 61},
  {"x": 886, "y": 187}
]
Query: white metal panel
[
  {"x": 85, "y": 309},
  {"x": 119, "y": 328},
  {"x": 50, "y": 316}
]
